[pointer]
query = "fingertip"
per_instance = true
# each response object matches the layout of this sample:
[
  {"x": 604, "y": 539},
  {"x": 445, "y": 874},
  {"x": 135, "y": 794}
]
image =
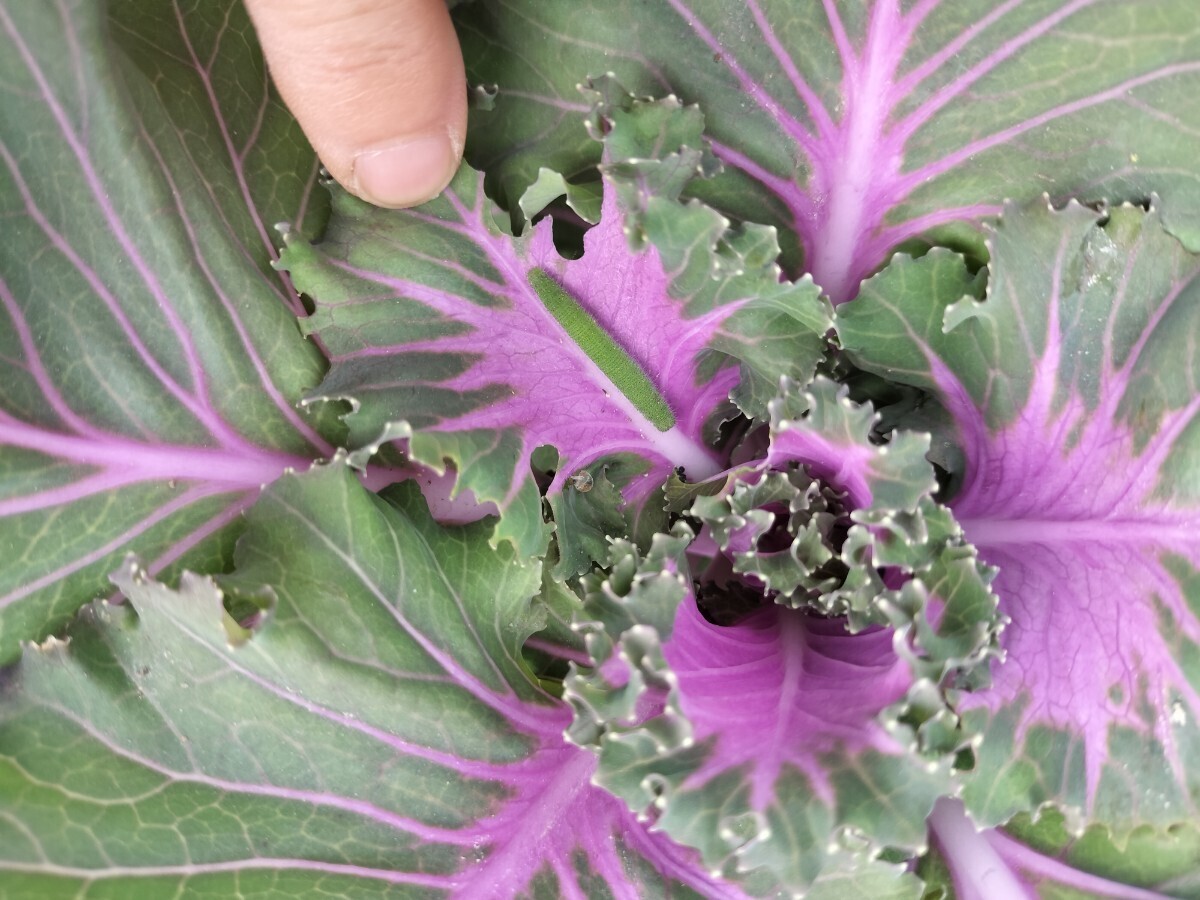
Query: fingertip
[
  {"x": 379, "y": 90},
  {"x": 406, "y": 172}
]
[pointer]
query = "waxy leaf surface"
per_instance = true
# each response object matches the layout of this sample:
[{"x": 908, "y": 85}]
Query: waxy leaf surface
[
  {"x": 440, "y": 333},
  {"x": 1074, "y": 396},
  {"x": 1032, "y": 861},
  {"x": 380, "y": 700},
  {"x": 858, "y": 125},
  {"x": 773, "y": 684},
  {"x": 149, "y": 358},
  {"x": 726, "y": 736}
]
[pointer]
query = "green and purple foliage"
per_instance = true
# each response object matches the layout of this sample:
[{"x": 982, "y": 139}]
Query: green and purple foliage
[{"x": 788, "y": 486}]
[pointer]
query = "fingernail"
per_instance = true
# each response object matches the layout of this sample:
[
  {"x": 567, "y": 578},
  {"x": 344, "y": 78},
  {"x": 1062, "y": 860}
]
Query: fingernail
[{"x": 407, "y": 172}]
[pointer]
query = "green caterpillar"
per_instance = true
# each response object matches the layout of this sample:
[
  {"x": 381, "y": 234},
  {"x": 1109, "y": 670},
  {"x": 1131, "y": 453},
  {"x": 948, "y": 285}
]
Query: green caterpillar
[{"x": 619, "y": 366}]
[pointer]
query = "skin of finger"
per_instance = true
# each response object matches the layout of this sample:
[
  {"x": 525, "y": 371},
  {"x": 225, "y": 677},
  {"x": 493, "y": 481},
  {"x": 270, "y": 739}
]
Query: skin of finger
[{"x": 360, "y": 74}]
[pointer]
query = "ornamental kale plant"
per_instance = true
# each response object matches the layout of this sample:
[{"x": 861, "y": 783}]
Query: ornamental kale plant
[{"x": 770, "y": 469}]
